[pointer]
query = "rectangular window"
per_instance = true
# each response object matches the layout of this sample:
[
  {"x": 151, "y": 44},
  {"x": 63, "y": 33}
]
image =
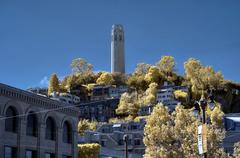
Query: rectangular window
[
  {"x": 31, "y": 154},
  {"x": 103, "y": 143},
  {"x": 137, "y": 142},
  {"x": 49, "y": 155},
  {"x": 10, "y": 152}
]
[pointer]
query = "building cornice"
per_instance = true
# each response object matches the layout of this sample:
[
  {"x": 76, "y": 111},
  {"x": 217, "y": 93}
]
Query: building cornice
[{"x": 37, "y": 100}]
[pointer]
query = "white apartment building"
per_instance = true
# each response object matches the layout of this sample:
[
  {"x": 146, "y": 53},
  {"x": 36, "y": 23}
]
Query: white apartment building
[
  {"x": 65, "y": 98},
  {"x": 165, "y": 94}
]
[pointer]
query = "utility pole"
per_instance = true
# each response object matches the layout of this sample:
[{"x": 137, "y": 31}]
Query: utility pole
[
  {"x": 203, "y": 105},
  {"x": 125, "y": 139}
]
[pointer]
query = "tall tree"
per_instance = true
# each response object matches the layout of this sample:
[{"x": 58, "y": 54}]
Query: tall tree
[
  {"x": 80, "y": 65},
  {"x": 153, "y": 75},
  {"x": 129, "y": 104},
  {"x": 71, "y": 81},
  {"x": 166, "y": 65},
  {"x": 174, "y": 135},
  {"x": 202, "y": 77},
  {"x": 150, "y": 94},
  {"x": 137, "y": 82},
  {"x": 142, "y": 69},
  {"x": 53, "y": 85}
]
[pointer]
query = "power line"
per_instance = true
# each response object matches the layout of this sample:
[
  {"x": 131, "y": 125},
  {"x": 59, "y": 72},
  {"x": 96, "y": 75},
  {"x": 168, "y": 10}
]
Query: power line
[{"x": 43, "y": 111}]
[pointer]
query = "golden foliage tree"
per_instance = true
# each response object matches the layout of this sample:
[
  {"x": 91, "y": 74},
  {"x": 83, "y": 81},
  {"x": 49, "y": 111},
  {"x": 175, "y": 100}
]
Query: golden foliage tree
[
  {"x": 53, "y": 85},
  {"x": 175, "y": 135},
  {"x": 153, "y": 75},
  {"x": 84, "y": 125},
  {"x": 150, "y": 94},
  {"x": 119, "y": 79},
  {"x": 70, "y": 81},
  {"x": 88, "y": 150},
  {"x": 80, "y": 65},
  {"x": 105, "y": 78},
  {"x": 129, "y": 104},
  {"x": 166, "y": 65},
  {"x": 236, "y": 152},
  {"x": 181, "y": 95},
  {"x": 142, "y": 69},
  {"x": 137, "y": 79},
  {"x": 137, "y": 82},
  {"x": 202, "y": 77}
]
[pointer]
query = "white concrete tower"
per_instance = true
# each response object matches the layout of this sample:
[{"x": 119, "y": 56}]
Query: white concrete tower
[{"x": 117, "y": 49}]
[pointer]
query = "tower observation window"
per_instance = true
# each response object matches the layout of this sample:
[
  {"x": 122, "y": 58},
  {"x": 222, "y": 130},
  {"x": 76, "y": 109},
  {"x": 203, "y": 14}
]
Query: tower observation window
[{"x": 120, "y": 37}]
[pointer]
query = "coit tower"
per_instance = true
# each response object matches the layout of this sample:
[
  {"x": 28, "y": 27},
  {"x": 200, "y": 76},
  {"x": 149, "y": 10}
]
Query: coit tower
[{"x": 117, "y": 49}]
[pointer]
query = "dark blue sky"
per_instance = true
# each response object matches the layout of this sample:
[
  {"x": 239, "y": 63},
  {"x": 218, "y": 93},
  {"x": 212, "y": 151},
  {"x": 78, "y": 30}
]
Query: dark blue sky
[{"x": 41, "y": 37}]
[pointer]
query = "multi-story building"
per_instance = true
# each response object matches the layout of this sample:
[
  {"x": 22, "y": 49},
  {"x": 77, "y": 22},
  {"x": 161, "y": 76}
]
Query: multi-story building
[
  {"x": 65, "y": 98},
  {"x": 110, "y": 137},
  {"x": 33, "y": 126},
  {"x": 102, "y": 92},
  {"x": 166, "y": 96},
  {"x": 100, "y": 111},
  {"x": 232, "y": 126},
  {"x": 39, "y": 91},
  {"x": 80, "y": 91},
  {"x": 145, "y": 110}
]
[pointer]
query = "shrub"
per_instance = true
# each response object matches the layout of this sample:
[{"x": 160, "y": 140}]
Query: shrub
[{"x": 88, "y": 150}]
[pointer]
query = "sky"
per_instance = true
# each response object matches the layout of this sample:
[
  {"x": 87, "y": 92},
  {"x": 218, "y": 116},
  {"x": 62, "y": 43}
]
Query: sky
[{"x": 38, "y": 38}]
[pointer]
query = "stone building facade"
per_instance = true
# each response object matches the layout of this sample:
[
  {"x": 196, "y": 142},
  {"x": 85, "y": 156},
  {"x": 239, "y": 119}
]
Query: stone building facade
[{"x": 33, "y": 126}]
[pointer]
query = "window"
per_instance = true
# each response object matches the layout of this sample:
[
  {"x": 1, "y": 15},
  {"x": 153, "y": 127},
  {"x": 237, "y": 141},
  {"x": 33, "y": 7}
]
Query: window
[
  {"x": 120, "y": 142},
  {"x": 32, "y": 124},
  {"x": 134, "y": 127},
  {"x": 120, "y": 37},
  {"x": 11, "y": 121},
  {"x": 50, "y": 129},
  {"x": 137, "y": 142},
  {"x": 103, "y": 143},
  {"x": 10, "y": 152},
  {"x": 67, "y": 133},
  {"x": 49, "y": 155},
  {"x": 31, "y": 154}
]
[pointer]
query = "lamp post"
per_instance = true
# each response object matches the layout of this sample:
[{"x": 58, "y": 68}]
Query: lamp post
[
  {"x": 125, "y": 139},
  {"x": 201, "y": 105}
]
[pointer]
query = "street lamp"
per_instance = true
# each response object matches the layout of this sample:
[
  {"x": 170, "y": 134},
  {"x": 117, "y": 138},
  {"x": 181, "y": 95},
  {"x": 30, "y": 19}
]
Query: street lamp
[
  {"x": 125, "y": 139},
  {"x": 202, "y": 105}
]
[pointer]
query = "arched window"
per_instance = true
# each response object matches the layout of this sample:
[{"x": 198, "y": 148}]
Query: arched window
[
  {"x": 120, "y": 37},
  {"x": 11, "y": 121},
  {"x": 50, "y": 129},
  {"x": 32, "y": 125},
  {"x": 67, "y": 133}
]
